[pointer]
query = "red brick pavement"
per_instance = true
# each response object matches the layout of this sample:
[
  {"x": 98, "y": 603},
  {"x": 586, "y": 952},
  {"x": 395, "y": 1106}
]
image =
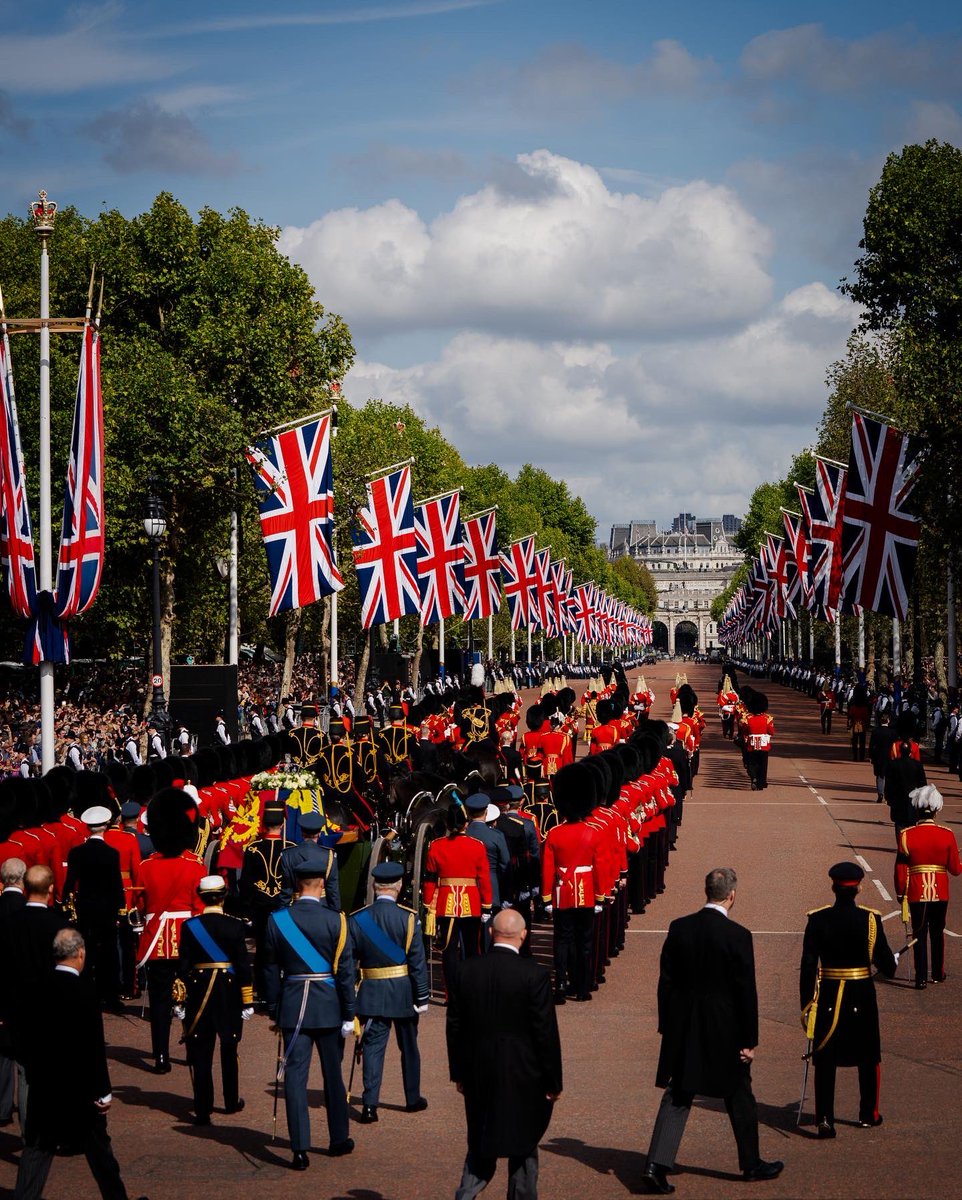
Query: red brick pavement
[{"x": 781, "y": 842}]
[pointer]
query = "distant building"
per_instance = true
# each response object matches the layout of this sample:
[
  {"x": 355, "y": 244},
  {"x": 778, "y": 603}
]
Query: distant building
[
  {"x": 731, "y": 524},
  {"x": 691, "y": 565}
]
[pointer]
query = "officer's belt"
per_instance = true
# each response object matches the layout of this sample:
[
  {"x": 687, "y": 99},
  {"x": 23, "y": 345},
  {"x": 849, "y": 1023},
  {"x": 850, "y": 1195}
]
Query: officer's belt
[
  {"x": 308, "y": 978},
  {"x": 928, "y": 867},
  {"x": 456, "y": 881},
  {"x": 384, "y": 972},
  {"x": 212, "y": 966},
  {"x": 844, "y": 973}
]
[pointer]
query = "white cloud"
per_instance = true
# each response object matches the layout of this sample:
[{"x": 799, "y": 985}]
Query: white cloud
[
  {"x": 932, "y": 119},
  {"x": 694, "y": 424},
  {"x": 546, "y": 251},
  {"x": 144, "y": 137}
]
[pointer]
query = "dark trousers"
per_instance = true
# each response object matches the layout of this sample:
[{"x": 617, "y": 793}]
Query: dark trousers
[
  {"x": 161, "y": 973},
  {"x": 8, "y": 1073},
  {"x": 375, "y": 1044},
  {"x": 478, "y": 1173},
  {"x": 100, "y": 936},
  {"x": 858, "y": 746},
  {"x": 460, "y": 938},
  {"x": 673, "y": 1116},
  {"x": 928, "y": 918},
  {"x": 869, "y": 1078},
  {"x": 573, "y": 943},
  {"x": 330, "y": 1050},
  {"x": 127, "y": 940},
  {"x": 826, "y": 720},
  {"x": 36, "y": 1160},
  {"x": 758, "y": 768},
  {"x": 200, "y": 1057}
]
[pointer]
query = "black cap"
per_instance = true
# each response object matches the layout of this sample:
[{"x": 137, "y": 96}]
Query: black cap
[
  {"x": 388, "y": 872},
  {"x": 848, "y": 874},
  {"x": 311, "y": 822},
  {"x": 477, "y": 803}
]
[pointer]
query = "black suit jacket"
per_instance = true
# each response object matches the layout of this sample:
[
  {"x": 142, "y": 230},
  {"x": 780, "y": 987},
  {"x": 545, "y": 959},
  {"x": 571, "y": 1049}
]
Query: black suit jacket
[
  {"x": 66, "y": 1064},
  {"x": 707, "y": 1003},
  {"x": 11, "y": 901},
  {"x": 26, "y": 954},
  {"x": 902, "y": 776},
  {"x": 504, "y": 1049},
  {"x": 94, "y": 881}
]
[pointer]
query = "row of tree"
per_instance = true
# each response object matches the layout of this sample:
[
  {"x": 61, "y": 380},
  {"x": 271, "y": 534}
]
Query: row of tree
[
  {"x": 904, "y": 363},
  {"x": 210, "y": 336}
]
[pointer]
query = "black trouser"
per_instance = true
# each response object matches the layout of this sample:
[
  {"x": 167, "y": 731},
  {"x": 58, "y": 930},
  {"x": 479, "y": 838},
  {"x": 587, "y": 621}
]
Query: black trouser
[
  {"x": 36, "y": 1160},
  {"x": 200, "y": 1057},
  {"x": 459, "y": 938},
  {"x": 161, "y": 973},
  {"x": 727, "y": 721},
  {"x": 100, "y": 936},
  {"x": 858, "y": 745},
  {"x": 127, "y": 941},
  {"x": 928, "y": 917},
  {"x": 826, "y": 716},
  {"x": 758, "y": 768},
  {"x": 869, "y": 1078},
  {"x": 673, "y": 1115},
  {"x": 573, "y": 937},
  {"x": 375, "y": 1043}
]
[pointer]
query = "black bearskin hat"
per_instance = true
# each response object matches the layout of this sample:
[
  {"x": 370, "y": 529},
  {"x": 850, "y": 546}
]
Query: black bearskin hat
[
  {"x": 606, "y": 711},
  {"x": 455, "y": 818},
  {"x": 575, "y": 791},
  {"x": 630, "y": 760},
  {"x": 606, "y": 673},
  {"x": 566, "y": 697},
  {"x": 92, "y": 790},
  {"x": 171, "y": 818},
  {"x": 549, "y": 705},
  {"x": 142, "y": 784},
  {"x": 660, "y": 734},
  {"x": 907, "y": 726},
  {"x": 534, "y": 718},
  {"x": 60, "y": 781},
  {"x": 757, "y": 703},
  {"x": 184, "y": 769},
  {"x": 208, "y": 766},
  {"x": 687, "y": 699}
]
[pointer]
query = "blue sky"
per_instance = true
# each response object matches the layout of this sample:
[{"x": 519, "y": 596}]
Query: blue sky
[{"x": 601, "y": 237}]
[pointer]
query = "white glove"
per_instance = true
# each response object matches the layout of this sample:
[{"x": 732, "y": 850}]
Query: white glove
[
  {"x": 420, "y": 1009},
  {"x": 549, "y": 909},
  {"x": 485, "y": 918},
  {"x": 180, "y": 1012},
  {"x": 506, "y": 904},
  {"x": 524, "y": 895},
  {"x": 895, "y": 955},
  {"x": 597, "y": 908},
  {"x": 347, "y": 1029},
  {"x": 536, "y": 891},
  {"x": 246, "y": 1014}
]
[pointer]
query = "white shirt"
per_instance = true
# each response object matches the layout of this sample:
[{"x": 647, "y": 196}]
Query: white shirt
[
  {"x": 68, "y": 970},
  {"x": 718, "y": 908},
  {"x": 505, "y": 946}
]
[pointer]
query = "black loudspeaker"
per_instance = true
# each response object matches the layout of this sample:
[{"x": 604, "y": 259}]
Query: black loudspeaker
[{"x": 198, "y": 694}]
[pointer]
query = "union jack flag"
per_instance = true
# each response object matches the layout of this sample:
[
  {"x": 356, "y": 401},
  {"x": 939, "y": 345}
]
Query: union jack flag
[
  {"x": 16, "y": 536},
  {"x": 825, "y": 531},
  {"x": 796, "y": 536},
  {"x": 81, "y": 560},
  {"x": 543, "y": 597},
  {"x": 805, "y": 497},
  {"x": 778, "y": 560},
  {"x": 385, "y": 551},
  {"x": 440, "y": 557},
  {"x": 561, "y": 589},
  {"x": 880, "y": 535},
  {"x": 482, "y": 567},
  {"x": 580, "y": 608},
  {"x": 294, "y": 481},
  {"x": 518, "y": 573}
]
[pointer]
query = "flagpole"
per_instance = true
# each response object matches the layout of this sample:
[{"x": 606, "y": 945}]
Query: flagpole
[
  {"x": 47, "y": 738},
  {"x": 811, "y": 636},
  {"x": 232, "y": 631},
  {"x": 897, "y": 647},
  {"x": 529, "y": 643},
  {"x": 951, "y": 638},
  {"x": 441, "y": 647},
  {"x": 490, "y": 637},
  {"x": 838, "y": 638},
  {"x": 332, "y": 681},
  {"x": 513, "y": 658},
  {"x": 861, "y": 640}
]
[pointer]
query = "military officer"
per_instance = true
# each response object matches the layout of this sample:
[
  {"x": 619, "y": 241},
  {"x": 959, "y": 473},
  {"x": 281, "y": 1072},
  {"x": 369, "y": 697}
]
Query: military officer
[
  {"x": 215, "y": 968},
  {"x": 396, "y": 741},
  {"x": 310, "y": 850},
  {"x": 843, "y": 942},
  {"x": 260, "y": 881},
  {"x": 480, "y": 812},
  {"x": 388, "y": 947},
  {"x": 306, "y": 742},
  {"x": 309, "y": 988}
]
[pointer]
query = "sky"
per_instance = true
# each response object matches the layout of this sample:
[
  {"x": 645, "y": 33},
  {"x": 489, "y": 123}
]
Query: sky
[{"x": 604, "y": 237}]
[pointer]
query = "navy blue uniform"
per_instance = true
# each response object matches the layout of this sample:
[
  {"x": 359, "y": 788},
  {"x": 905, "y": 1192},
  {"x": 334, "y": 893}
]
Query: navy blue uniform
[{"x": 308, "y": 851}]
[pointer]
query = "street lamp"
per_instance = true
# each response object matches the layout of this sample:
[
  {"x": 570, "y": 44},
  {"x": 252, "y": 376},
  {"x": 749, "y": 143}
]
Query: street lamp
[{"x": 155, "y": 526}]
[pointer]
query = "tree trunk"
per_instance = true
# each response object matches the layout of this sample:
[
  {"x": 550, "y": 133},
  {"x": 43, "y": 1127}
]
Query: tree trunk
[
  {"x": 416, "y": 661},
  {"x": 940, "y": 675},
  {"x": 291, "y": 630},
  {"x": 361, "y": 682},
  {"x": 166, "y": 620}
]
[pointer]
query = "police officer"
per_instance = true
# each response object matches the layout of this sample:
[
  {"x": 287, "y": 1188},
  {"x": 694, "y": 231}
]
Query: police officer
[
  {"x": 260, "y": 880},
  {"x": 310, "y": 850},
  {"x": 843, "y": 941},
  {"x": 309, "y": 987},
  {"x": 215, "y": 968},
  {"x": 389, "y": 953}
]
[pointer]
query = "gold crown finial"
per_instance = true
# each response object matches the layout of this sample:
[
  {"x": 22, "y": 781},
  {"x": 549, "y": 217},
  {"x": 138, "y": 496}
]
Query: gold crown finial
[{"x": 43, "y": 212}]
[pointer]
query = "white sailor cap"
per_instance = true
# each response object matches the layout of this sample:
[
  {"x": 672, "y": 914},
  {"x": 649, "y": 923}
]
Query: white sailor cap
[
  {"x": 98, "y": 815},
  {"x": 491, "y": 813},
  {"x": 212, "y": 883}
]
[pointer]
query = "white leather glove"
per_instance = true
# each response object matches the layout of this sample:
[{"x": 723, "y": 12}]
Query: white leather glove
[
  {"x": 246, "y": 1014},
  {"x": 180, "y": 1012},
  {"x": 347, "y": 1029},
  {"x": 506, "y": 904},
  {"x": 597, "y": 908},
  {"x": 524, "y": 895},
  {"x": 549, "y": 909},
  {"x": 421, "y": 1009},
  {"x": 485, "y": 918}
]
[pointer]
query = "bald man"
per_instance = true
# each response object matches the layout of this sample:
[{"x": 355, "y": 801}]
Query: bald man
[{"x": 508, "y": 1104}]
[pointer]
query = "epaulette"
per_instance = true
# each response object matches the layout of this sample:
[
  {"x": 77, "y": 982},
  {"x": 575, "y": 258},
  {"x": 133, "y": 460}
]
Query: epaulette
[
  {"x": 821, "y": 908},
  {"x": 517, "y": 820},
  {"x": 404, "y": 908},
  {"x": 865, "y": 908},
  {"x": 357, "y": 910}
]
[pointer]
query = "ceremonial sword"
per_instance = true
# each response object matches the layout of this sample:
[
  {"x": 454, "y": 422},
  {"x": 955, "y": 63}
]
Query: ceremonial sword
[{"x": 358, "y": 1049}]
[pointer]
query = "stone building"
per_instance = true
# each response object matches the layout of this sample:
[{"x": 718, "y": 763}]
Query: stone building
[{"x": 690, "y": 566}]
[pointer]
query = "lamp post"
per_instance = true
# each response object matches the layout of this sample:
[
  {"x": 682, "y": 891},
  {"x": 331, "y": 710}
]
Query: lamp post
[{"x": 155, "y": 526}]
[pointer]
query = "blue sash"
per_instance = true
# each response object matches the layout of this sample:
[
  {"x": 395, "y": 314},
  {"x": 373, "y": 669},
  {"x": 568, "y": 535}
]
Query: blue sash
[
  {"x": 395, "y": 954},
  {"x": 312, "y": 958},
  {"x": 206, "y": 942}
]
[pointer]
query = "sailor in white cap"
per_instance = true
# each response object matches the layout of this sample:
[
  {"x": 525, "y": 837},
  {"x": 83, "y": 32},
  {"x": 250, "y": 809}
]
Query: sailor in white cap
[{"x": 94, "y": 889}]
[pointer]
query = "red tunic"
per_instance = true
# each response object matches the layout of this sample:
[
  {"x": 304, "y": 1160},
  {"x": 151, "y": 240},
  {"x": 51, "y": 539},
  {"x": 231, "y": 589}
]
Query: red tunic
[
  {"x": 928, "y": 855},
  {"x": 603, "y": 737},
  {"x": 572, "y": 866},
  {"x": 457, "y": 877},
  {"x": 125, "y": 843},
  {"x": 759, "y": 730},
  {"x": 168, "y": 898},
  {"x": 556, "y": 751}
]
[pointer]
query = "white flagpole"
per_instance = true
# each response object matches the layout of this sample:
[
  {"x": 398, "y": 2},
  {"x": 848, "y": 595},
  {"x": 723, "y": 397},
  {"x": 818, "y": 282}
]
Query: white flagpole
[
  {"x": 490, "y": 637},
  {"x": 811, "y": 636},
  {"x": 441, "y": 647},
  {"x": 333, "y": 670},
  {"x": 861, "y": 640},
  {"x": 232, "y": 631},
  {"x": 47, "y": 736},
  {"x": 838, "y": 638},
  {"x": 896, "y": 646},
  {"x": 513, "y": 659},
  {"x": 529, "y": 643}
]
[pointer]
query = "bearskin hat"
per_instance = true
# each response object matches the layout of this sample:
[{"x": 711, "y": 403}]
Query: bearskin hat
[
  {"x": 649, "y": 752},
  {"x": 549, "y": 705},
  {"x": 606, "y": 673},
  {"x": 566, "y": 697},
  {"x": 119, "y": 776},
  {"x": 60, "y": 781},
  {"x": 171, "y": 818},
  {"x": 575, "y": 791},
  {"x": 687, "y": 699},
  {"x": 630, "y": 760},
  {"x": 92, "y": 790},
  {"x": 455, "y": 818},
  {"x": 757, "y": 703},
  {"x": 184, "y": 769},
  {"x": 270, "y": 751},
  {"x": 142, "y": 784},
  {"x": 208, "y": 767},
  {"x": 227, "y": 758},
  {"x": 660, "y": 734},
  {"x": 534, "y": 718},
  {"x": 18, "y": 803},
  {"x": 164, "y": 773},
  {"x": 616, "y": 776},
  {"x": 605, "y": 711}
]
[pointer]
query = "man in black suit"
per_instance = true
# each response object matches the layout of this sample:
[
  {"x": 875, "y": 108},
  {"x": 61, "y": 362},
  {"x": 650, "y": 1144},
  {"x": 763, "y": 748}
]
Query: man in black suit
[
  {"x": 69, "y": 1084},
  {"x": 708, "y": 1021},
  {"x": 12, "y": 901},
  {"x": 504, "y": 1054},
  {"x": 94, "y": 887}
]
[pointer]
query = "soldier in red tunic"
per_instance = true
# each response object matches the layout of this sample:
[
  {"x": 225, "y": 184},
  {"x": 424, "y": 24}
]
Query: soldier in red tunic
[
  {"x": 758, "y": 739},
  {"x": 125, "y": 842},
  {"x": 606, "y": 733},
  {"x": 457, "y": 892},
  {"x": 572, "y": 880},
  {"x": 169, "y": 878},
  {"x": 927, "y": 856}
]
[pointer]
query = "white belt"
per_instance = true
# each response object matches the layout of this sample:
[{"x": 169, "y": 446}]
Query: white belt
[{"x": 164, "y": 917}]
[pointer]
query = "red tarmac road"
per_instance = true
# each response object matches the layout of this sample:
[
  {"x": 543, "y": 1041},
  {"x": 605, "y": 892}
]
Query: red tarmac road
[{"x": 819, "y": 808}]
